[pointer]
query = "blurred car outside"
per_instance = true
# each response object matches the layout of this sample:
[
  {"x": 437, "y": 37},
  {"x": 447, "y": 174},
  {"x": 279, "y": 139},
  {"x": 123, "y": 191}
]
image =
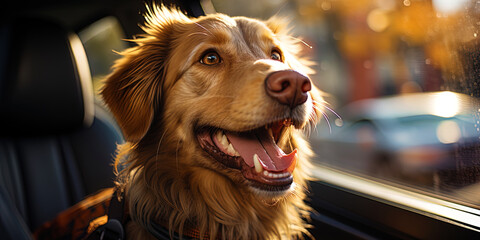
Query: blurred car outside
[{"x": 408, "y": 138}]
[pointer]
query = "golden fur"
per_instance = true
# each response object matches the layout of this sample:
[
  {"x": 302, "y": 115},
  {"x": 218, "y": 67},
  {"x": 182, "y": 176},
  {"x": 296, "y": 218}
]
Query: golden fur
[{"x": 160, "y": 92}]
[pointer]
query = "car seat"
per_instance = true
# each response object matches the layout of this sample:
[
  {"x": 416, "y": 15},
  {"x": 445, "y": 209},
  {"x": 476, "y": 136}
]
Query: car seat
[{"x": 56, "y": 142}]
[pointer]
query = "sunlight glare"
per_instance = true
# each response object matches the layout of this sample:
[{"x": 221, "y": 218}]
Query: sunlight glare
[
  {"x": 448, "y": 132},
  {"x": 448, "y": 6},
  {"x": 445, "y": 104}
]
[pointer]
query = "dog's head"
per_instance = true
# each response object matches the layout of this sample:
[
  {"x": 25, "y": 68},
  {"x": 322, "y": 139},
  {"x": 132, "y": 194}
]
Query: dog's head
[{"x": 225, "y": 96}]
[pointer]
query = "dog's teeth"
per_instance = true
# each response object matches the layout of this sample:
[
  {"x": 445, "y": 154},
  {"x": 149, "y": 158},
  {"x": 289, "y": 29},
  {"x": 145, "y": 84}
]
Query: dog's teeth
[
  {"x": 275, "y": 175},
  {"x": 230, "y": 149},
  {"x": 270, "y": 132},
  {"x": 234, "y": 152},
  {"x": 218, "y": 136},
  {"x": 224, "y": 140},
  {"x": 256, "y": 162},
  {"x": 225, "y": 144}
]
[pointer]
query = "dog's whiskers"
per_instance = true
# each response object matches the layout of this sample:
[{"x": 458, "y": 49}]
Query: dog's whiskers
[
  {"x": 311, "y": 124},
  {"x": 320, "y": 106},
  {"x": 325, "y": 116},
  {"x": 159, "y": 143},
  {"x": 327, "y": 120},
  {"x": 198, "y": 24},
  {"x": 324, "y": 105},
  {"x": 301, "y": 41}
]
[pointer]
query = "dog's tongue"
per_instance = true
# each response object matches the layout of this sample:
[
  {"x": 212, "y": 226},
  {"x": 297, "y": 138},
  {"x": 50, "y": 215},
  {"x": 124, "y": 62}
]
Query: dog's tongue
[{"x": 259, "y": 142}]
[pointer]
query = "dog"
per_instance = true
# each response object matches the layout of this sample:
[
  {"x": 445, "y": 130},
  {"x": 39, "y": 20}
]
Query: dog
[{"x": 213, "y": 110}]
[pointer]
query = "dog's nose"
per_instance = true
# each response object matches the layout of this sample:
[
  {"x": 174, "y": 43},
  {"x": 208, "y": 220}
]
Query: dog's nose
[{"x": 288, "y": 87}]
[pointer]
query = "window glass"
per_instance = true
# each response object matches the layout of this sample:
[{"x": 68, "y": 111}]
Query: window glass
[
  {"x": 102, "y": 40},
  {"x": 404, "y": 77}
]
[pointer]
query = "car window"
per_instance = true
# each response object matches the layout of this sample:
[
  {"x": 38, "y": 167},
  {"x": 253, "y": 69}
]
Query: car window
[
  {"x": 404, "y": 78},
  {"x": 102, "y": 41}
]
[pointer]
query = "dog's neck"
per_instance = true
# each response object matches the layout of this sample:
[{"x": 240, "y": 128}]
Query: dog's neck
[{"x": 213, "y": 207}]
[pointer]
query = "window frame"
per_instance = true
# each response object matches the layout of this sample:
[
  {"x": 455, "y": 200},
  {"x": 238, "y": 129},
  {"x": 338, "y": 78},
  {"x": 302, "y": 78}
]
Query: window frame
[{"x": 368, "y": 209}]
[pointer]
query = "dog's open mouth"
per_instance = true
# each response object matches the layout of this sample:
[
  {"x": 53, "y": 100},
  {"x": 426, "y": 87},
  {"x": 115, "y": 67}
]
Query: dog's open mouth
[{"x": 255, "y": 153}]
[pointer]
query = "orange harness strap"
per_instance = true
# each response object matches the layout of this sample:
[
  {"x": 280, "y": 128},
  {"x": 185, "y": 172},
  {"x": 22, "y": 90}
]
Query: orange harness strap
[
  {"x": 79, "y": 220},
  {"x": 100, "y": 216}
]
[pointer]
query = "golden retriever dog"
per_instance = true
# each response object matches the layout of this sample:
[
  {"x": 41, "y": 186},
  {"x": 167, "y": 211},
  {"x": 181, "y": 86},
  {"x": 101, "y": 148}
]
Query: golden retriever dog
[{"x": 213, "y": 110}]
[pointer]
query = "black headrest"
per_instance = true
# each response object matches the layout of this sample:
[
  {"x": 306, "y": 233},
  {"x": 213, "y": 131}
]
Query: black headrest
[{"x": 45, "y": 82}]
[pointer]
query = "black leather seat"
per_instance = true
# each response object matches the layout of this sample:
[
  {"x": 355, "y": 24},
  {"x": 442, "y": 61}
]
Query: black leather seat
[{"x": 56, "y": 143}]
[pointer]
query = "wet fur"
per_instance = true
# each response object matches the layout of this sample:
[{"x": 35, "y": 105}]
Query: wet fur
[{"x": 159, "y": 93}]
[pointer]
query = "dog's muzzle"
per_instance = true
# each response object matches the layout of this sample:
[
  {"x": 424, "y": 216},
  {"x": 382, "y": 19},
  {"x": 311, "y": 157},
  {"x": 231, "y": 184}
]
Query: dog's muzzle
[{"x": 255, "y": 152}]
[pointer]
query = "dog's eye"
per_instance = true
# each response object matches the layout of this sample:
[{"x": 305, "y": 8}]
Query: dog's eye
[
  {"x": 210, "y": 58},
  {"x": 275, "y": 55}
]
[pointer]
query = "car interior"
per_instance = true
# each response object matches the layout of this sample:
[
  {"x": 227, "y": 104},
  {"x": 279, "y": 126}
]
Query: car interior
[{"x": 53, "y": 129}]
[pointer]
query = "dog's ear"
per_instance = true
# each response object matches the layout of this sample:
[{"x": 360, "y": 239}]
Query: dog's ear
[
  {"x": 134, "y": 89},
  {"x": 278, "y": 25}
]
